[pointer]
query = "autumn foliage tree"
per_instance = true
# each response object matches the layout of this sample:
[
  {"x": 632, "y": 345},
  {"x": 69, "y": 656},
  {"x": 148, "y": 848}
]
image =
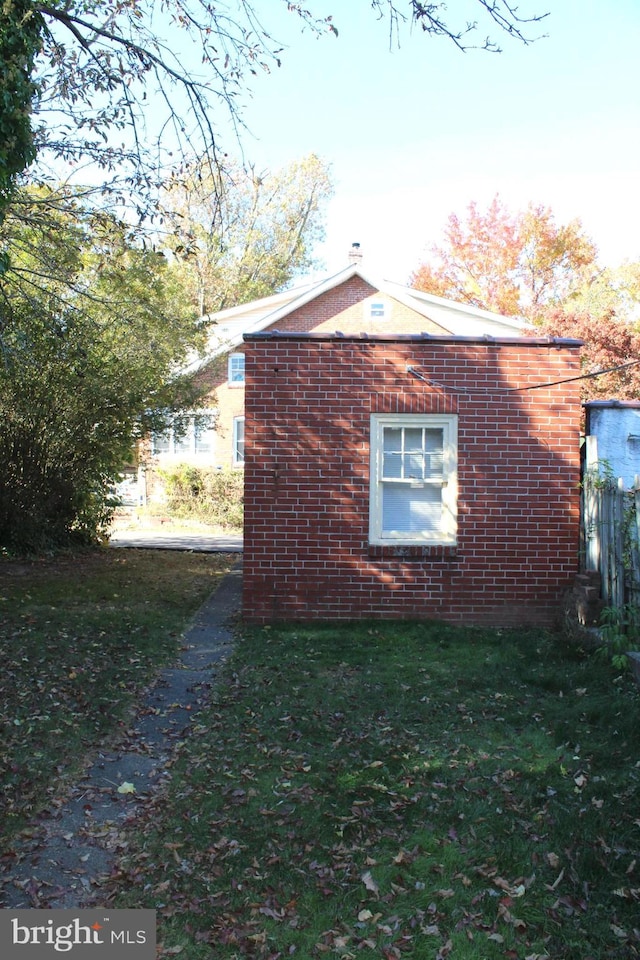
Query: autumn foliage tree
[
  {"x": 610, "y": 343},
  {"x": 518, "y": 264},
  {"x": 525, "y": 264}
]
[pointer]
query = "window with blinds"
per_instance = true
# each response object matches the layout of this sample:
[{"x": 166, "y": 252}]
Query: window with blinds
[{"x": 413, "y": 478}]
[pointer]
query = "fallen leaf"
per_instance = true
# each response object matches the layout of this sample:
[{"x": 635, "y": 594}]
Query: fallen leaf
[
  {"x": 445, "y": 950},
  {"x": 370, "y": 883},
  {"x": 127, "y": 787}
]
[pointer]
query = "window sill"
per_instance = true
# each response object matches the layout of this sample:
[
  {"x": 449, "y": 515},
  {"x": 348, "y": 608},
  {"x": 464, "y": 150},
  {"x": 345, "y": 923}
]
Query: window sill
[{"x": 422, "y": 551}]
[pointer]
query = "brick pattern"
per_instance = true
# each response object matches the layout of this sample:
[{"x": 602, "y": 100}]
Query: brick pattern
[
  {"x": 308, "y": 406},
  {"x": 347, "y": 308}
]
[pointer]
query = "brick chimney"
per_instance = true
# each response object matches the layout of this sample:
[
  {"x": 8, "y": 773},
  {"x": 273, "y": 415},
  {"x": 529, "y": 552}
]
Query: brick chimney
[{"x": 355, "y": 254}]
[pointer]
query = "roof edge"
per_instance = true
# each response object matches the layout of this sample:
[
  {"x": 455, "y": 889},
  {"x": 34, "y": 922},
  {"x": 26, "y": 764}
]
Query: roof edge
[
  {"x": 625, "y": 404},
  {"x": 486, "y": 339}
]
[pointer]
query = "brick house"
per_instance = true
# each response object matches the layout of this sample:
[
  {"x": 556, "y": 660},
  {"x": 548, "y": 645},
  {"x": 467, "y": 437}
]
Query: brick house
[
  {"x": 350, "y": 301},
  {"x": 410, "y": 476}
]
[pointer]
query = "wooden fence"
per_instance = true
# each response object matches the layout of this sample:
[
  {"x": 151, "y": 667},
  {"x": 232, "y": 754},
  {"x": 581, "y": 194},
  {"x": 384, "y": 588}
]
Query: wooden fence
[{"x": 611, "y": 537}]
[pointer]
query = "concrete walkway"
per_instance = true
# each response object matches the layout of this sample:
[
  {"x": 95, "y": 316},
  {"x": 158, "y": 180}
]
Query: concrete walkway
[
  {"x": 59, "y": 860},
  {"x": 157, "y": 538}
]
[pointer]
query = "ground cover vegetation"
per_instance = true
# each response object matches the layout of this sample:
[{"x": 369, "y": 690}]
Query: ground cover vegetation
[
  {"x": 214, "y": 497},
  {"x": 80, "y": 636},
  {"x": 399, "y": 790}
]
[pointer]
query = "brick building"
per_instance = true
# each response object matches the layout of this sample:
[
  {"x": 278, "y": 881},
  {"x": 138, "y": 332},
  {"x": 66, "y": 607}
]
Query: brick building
[
  {"x": 409, "y": 476},
  {"x": 351, "y": 301}
]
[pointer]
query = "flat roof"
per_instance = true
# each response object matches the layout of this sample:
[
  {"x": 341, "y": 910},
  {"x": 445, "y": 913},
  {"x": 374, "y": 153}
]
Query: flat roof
[
  {"x": 485, "y": 339},
  {"x": 629, "y": 404}
]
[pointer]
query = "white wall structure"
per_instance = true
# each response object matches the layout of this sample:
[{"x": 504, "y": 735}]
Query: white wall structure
[{"x": 613, "y": 438}]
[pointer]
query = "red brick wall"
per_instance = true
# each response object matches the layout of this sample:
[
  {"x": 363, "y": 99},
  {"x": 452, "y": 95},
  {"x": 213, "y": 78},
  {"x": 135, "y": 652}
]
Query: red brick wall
[
  {"x": 308, "y": 407},
  {"x": 343, "y": 308},
  {"x": 346, "y": 308}
]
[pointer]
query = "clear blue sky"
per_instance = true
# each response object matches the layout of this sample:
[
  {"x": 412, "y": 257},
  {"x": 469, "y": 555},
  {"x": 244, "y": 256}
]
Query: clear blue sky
[{"x": 419, "y": 131}]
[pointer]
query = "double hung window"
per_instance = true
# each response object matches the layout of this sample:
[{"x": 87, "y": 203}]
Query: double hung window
[
  {"x": 236, "y": 370},
  {"x": 190, "y": 435},
  {"x": 238, "y": 442},
  {"x": 413, "y": 479}
]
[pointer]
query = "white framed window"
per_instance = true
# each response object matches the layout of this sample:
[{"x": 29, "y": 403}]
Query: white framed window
[
  {"x": 236, "y": 369},
  {"x": 204, "y": 435},
  {"x": 378, "y": 309},
  {"x": 414, "y": 490},
  {"x": 238, "y": 441},
  {"x": 161, "y": 443},
  {"x": 182, "y": 436},
  {"x": 191, "y": 435}
]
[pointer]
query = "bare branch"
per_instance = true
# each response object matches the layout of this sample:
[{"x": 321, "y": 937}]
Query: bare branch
[{"x": 433, "y": 18}]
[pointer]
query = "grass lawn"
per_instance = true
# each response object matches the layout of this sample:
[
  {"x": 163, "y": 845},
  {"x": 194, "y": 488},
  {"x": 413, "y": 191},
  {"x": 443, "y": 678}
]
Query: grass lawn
[
  {"x": 396, "y": 790},
  {"x": 80, "y": 635}
]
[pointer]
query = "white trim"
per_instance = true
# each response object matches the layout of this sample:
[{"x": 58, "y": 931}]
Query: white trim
[
  {"x": 228, "y": 327},
  {"x": 185, "y": 448},
  {"x": 233, "y": 380},
  {"x": 377, "y": 308},
  {"x": 238, "y": 461},
  {"x": 446, "y": 533}
]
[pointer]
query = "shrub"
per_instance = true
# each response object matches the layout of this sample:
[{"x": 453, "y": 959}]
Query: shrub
[{"x": 212, "y": 496}]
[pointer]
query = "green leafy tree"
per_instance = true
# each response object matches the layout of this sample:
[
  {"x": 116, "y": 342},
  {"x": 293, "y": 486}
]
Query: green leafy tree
[
  {"x": 612, "y": 290},
  {"x": 100, "y": 62},
  {"x": 240, "y": 235},
  {"x": 88, "y": 366},
  {"x": 20, "y": 41}
]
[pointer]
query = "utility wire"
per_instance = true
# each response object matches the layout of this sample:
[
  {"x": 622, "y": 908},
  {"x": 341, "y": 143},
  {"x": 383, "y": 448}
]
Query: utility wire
[
  {"x": 535, "y": 386},
  {"x": 584, "y": 376}
]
